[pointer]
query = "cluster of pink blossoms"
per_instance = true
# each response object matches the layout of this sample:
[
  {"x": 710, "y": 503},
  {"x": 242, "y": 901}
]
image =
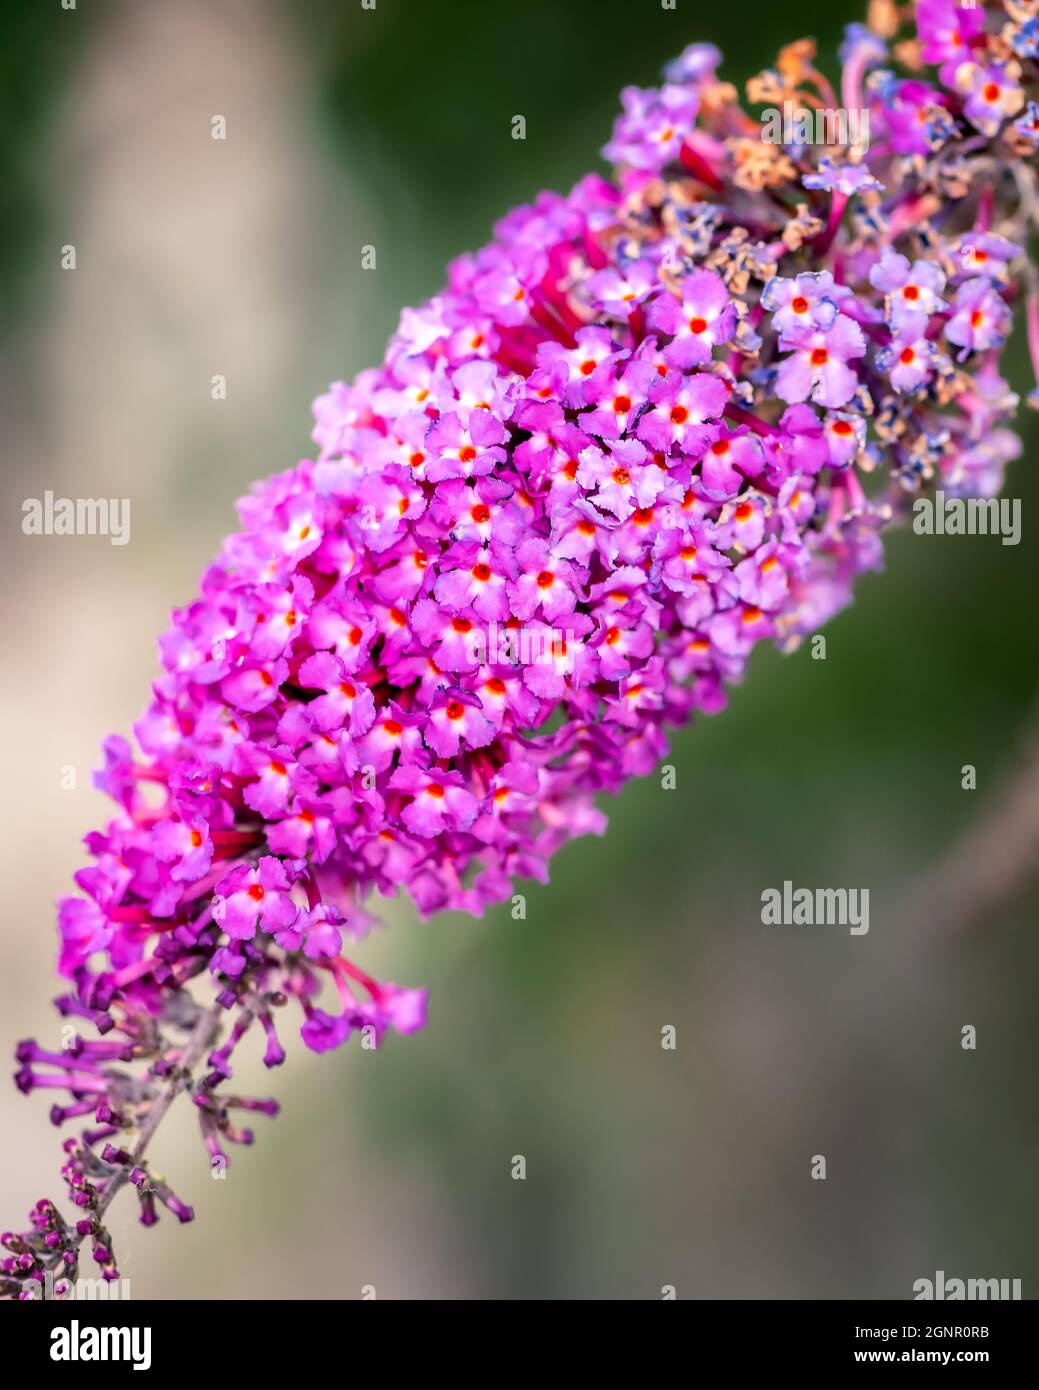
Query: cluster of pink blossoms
[{"x": 652, "y": 424}]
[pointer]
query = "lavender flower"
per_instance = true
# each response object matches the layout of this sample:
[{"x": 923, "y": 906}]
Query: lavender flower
[{"x": 631, "y": 428}]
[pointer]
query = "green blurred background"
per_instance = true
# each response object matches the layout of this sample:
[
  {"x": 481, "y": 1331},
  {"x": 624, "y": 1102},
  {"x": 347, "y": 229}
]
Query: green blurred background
[{"x": 645, "y": 1167}]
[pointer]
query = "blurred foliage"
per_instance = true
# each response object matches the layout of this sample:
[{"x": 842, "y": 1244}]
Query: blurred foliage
[
  {"x": 418, "y": 98},
  {"x": 39, "y": 48}
]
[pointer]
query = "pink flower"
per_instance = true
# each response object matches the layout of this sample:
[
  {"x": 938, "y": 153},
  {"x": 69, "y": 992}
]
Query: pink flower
[{"x": 252, "y": 897}]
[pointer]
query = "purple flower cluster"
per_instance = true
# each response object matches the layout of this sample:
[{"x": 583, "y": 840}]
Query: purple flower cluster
[{"x": 631, "y": 438}]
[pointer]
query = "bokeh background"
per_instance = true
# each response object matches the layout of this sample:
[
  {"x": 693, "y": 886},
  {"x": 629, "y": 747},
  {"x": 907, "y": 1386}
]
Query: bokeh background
[{"x": 645, "y": 1167}]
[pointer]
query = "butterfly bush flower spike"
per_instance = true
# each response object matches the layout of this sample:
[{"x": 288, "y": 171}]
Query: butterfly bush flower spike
[{"x": 655, "y": 422}]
